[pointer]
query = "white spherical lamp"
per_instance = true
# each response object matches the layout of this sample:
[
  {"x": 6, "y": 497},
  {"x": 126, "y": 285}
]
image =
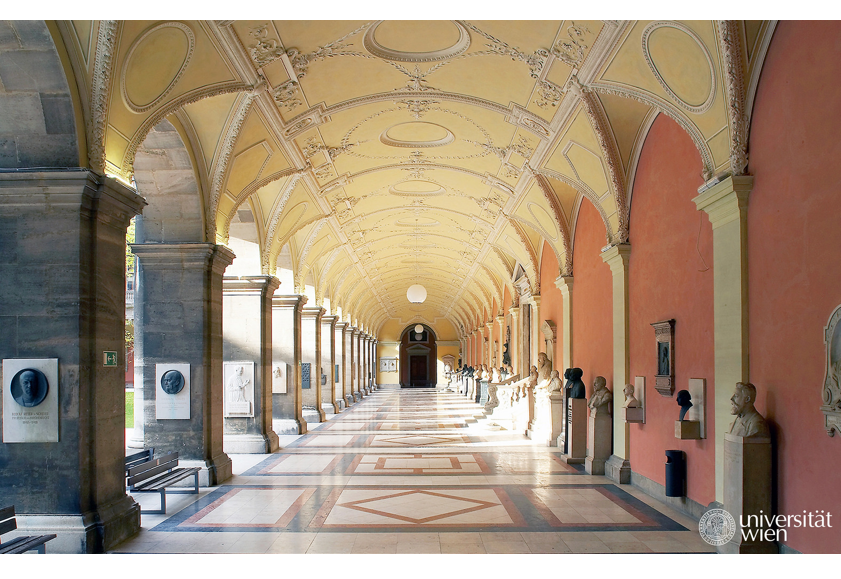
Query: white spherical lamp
[
  {"x": 418, "y": 329},
  {"x": 416, "y": 294}
]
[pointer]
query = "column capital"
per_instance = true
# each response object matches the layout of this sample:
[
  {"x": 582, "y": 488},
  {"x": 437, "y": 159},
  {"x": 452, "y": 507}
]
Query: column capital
[
  {"x": 617, "y": 257},
  {"x": 725, "y": 201},
  {"x": 340, "y": 325},
  {"x": 564, "y": 283},
  {"x": 353, "y": 330},
  {"x": 251, "y": 284},
  {"x": 183, "y": 255},
  {"x": 314, "y": 312},
  {"x": 330, "y": 320},
  {"x": 514, "y": 310},
  {"x": 291, "y": 301}
]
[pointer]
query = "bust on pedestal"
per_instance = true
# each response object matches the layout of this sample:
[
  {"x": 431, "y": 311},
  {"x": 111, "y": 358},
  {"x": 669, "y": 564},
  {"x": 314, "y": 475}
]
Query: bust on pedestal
[
  {"x": 747, "y": 475},
  {"x": 600, "y": 432},
  {"x": 575, "y": 436}
]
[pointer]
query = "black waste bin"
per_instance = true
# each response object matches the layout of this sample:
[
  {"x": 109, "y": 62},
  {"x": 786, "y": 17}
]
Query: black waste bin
[{"x": 675, "y": 473}]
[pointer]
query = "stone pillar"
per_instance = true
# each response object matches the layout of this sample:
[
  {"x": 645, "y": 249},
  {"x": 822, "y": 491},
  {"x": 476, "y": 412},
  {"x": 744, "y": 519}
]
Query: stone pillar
[
  {"x": 490, "y": 328},
  {"x": 374, "y": 363},
  {"x": 287, "y": 407},
  {"x": 618, "y": 467},
  {"x": 311, "y": 354},
  {"x": 363, "y": 364},
  {"x": 178, "y": 320},
  {"x": 726, "y": 204},
  {"x": 500, "y": 321},
  {"x": 329, "y": 402},
  {"x": 62, "y": 295},
  {"x": 348, "y": 365},
  {"x": 354, "y": 364},
  {"x": 514, "y": 348},
  {"x": 342, "y": 357},
  {"x": 564, "y": 283},
  {"x": 247, "y": 336}
]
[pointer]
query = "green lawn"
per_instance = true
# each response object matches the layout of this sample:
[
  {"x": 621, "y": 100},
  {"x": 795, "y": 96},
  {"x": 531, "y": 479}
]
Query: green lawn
[{"x": 129, "y": 409}]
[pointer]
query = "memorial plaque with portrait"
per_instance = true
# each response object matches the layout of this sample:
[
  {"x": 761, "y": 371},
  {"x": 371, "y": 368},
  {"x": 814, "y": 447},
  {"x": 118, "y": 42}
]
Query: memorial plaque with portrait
[
  {"x": 30, "y": 400},
  {"x": 239, "y": 388},
  {"x": 280, "y": 375},
  {"x": 172, "y": 391}
]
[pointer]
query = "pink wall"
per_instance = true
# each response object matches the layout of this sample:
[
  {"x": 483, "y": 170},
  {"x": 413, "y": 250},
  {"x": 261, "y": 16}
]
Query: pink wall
[
  {"x": 551, "y": 304},
  {"x": 666, "y": 282},
  {"x": 592, "y": 310},
  {"x": 793, "y": 251}
]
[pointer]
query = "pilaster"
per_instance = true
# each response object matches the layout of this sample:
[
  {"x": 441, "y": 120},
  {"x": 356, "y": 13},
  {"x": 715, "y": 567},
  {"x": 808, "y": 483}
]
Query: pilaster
[
  {"x": 617, "y": 258},
  {"x": 247, "y": 336},
  {"x": 329, "y": 401},
  {"x": 515, "y": 340},
  {"x": 564, "y": 283},
  {"x": 287, "y": 405},
  {"x": 726, "y": 204},
  {"x": 311, "y": 354},
  {"x": 62, "y": 295},
  {"x": 178, "y": 320}
]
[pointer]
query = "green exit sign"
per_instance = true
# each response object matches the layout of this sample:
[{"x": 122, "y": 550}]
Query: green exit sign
[{"x": 109, "y": 359}]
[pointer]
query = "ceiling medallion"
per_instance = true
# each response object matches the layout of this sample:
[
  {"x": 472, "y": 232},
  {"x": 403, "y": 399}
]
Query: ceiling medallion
[
  {"x": 416, "y": 294},
  {"x": 371, "y": 45},
  {"x": 433, "y": 190},
  {"x": 417, "y": 127}
]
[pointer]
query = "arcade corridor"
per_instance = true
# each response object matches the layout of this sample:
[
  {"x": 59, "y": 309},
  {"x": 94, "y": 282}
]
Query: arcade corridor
[{"x": 412, "y": 471}]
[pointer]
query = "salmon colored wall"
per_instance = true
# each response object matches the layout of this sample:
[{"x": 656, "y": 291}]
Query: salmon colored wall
[
  {"x": 793, "y": 252},
  {"x": 666, "y": 282},
  {"x": 551, "y": 304},
  {"x": 592, "y": 295}
]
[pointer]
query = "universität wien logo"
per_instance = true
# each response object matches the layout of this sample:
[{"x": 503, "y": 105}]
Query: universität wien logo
[{"x": 717, "y": 527}]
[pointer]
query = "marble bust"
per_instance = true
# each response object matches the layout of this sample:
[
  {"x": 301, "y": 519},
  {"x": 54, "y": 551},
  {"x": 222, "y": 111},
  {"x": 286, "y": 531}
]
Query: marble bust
[
  {"x": 748, "y": 421},
  {"x": 601, "y": 397},
  {"x": 555, "y": 382},
  {"x": 630, "y": 400},
  {"x": 544, "y": 365},
  {"x": 533, "y": 377}
]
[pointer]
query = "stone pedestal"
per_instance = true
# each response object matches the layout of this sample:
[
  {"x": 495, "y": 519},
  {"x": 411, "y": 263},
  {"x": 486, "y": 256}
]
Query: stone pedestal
[
  {"x": 287, "y": 409},
  {"x": 576, "y": 431},
  {"x": 747, "y": 491},
  {"x": 247, "y": 335},
  {"x": 599, "y": 438},
  {"x": 62, "y": 295},
  {"x": 687, "y": 429},
  {"x": 618, "y": 469},
  {"x": 556, "y": 410},
  {"x": 178, "y": 320}
]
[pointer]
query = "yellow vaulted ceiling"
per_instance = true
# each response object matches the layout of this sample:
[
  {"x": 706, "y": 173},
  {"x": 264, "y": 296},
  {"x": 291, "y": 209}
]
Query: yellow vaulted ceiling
[{"x": 377, "y": 154}]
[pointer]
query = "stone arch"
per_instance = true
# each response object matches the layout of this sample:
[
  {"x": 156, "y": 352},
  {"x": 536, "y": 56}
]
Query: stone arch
[
  {"x": 164, "y": 176},
  {"x": 38, "y": 121}
]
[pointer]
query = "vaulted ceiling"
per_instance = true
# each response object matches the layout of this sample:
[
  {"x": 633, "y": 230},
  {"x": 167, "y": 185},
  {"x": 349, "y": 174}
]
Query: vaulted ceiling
[{"x": 369, "y": 156}]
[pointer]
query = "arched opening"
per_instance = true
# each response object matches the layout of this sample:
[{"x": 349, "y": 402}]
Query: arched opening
[{"x": 418, "y": 358}]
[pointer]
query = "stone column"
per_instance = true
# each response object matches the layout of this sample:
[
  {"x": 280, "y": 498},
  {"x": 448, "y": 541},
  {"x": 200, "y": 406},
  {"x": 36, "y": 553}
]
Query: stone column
[
  {"x": 490, "y": 327},
  {"x": 514, "y": 348},
  {"x": 342, "y": 392},
  {"x": 564, "y": 283},
  {"x": 363, "y": 364},
  {"x": 726, "y": 204},
  {"x": 311, "y": 354},
  {"x": 347, "y": 378},
  {"x": 178, "y": 320},
  {"x": 354, "y": 364},
  {"x": 357, "y": 350},
  {"x": 247, "y": 337},
  {"x": 287, "y": 407},
  {"x": 62, "y": 295},
  {"x": 535, "y": 335},
  {"x": 329, "y": 402},
  {"x": 500, "y": 321},
  {"x": 618, "y": 466}
]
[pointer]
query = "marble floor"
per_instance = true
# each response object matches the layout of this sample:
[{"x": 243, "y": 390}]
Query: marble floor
[{"x": 412, "y": 472}]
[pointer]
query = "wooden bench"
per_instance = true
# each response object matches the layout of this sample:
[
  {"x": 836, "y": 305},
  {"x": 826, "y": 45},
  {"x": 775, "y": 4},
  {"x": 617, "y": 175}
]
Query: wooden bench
[
  {"x": 137, "y": 458},
  {"x": 154, "y": 476},
  {"x": 19, "y": 544}
]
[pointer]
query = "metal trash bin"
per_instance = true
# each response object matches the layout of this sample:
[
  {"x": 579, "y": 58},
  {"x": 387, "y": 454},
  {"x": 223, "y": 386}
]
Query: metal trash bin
[{"x": 675, "y": 473}]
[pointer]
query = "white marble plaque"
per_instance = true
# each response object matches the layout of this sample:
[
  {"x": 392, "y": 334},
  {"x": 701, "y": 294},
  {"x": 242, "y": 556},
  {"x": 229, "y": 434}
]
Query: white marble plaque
[
  {"x": 239, "y": 389},
  {"x": 172, "y": 391},
  {"x": 280, "y": 373},
  {"x": 30, "y": 400}
]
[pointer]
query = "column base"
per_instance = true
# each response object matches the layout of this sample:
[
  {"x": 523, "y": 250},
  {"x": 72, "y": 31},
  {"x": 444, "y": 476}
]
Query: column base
[
  {"x": 312, "y": 416},
  {"x": 91, "y": 532},
  {"x": 571, "y": 460},
  {"x": 349, "y": 400},
  {"x": 594, "y": 465},
  {"x": 288, "y": 426},
  {"x": 330, "y": 408},
  {"x": 618, "y": 470},
  {"x": 213, "y": 471},
  {"x": 357, "y": 396},
  {"x": 250, "y": 443}
]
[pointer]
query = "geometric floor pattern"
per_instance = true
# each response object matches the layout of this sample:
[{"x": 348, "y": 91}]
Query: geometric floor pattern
[{"x": 412, "y": 472}]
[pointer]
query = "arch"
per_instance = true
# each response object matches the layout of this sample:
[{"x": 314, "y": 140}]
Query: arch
[
  {"x": 165, "y": 177},
  {"x": 418, "y": 358},
  {"x": 39, "y": 120}
]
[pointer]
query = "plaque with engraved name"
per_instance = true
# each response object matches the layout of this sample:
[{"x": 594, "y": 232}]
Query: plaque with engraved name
[
  {"x": 305, "y": 376},
  {"x": 30, "y": 400}
]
